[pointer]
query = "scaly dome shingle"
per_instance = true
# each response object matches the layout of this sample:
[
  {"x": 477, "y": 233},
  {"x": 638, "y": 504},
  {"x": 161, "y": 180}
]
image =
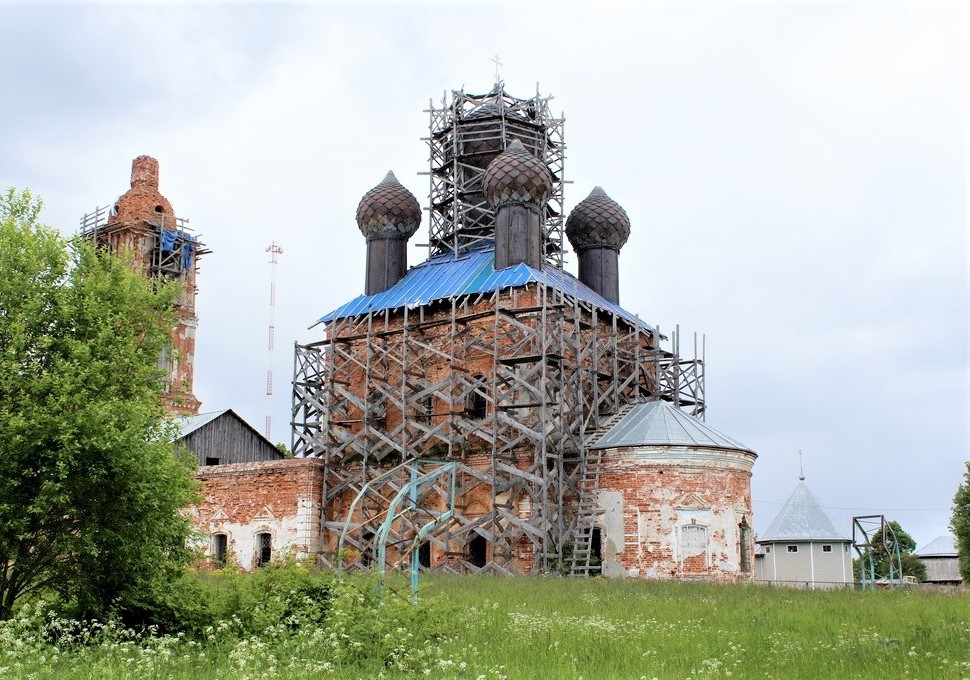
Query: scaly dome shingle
[
  {"x": 516, "y": 176},
  {"x": 388, "y": 209},
  {"x": 598, "y": 222}
]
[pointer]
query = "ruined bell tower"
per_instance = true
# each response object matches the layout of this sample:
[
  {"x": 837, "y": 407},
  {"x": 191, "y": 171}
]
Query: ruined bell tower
[{"x": 143, "y": 221}]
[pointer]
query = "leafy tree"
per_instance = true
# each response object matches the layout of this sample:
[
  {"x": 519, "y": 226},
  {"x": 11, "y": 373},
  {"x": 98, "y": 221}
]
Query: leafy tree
[
  {"x": 90, "y": 488},
  {"x": 883, "y": 552},
  {"x": 960, "y": 523}
]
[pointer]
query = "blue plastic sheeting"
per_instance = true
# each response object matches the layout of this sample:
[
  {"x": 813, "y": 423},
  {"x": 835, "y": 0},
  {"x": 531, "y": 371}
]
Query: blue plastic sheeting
[
  {"x": 186, "y": 255},
  {"x": 447, "y": 276},
  {"x": 168, "y": 240}
]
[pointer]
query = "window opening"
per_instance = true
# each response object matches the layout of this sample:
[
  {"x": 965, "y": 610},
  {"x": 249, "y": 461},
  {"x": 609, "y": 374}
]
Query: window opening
[
  {"x": 478, "y": 403},
  {"x": 826, "y": 548},
  {"x": 596, "y": 551},
  {"x": 264, "y": 549},
  {"x": 211, "y": 461},
  {"x": 220, "y": 544},
  {"x": 793, "y": 548},
  {"x": 367, "y": 556},
  {"x": 476, "y": 551},
  {"x": 424, "y": 554}
]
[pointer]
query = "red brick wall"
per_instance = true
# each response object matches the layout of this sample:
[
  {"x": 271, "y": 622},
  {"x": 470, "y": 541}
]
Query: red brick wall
[{"x": 282, "y": 498}]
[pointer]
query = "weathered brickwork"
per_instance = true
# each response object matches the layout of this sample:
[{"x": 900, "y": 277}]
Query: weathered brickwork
[
  {"x": 676, "y": 512},
  {"x": 136, "y": 221},
  {"x": 279, "y": 498}
]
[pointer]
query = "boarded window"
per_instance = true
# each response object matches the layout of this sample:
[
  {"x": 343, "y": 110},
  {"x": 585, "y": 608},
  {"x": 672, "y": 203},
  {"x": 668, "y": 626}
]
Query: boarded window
[
  {"x": 693, "y": 541},
  {"x": 425, "y": 409},
  {"x": 744, "y": 545},
  {"x": 220, "y": 545},
  {"x": 264, "y": 549},
  {"x": 793, "y": 548}
]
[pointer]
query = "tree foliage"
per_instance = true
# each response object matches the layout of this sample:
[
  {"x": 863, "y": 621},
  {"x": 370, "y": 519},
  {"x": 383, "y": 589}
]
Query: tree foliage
[
  {"x": 960, "y": 523},
  {"x": 90, "y": 488}
]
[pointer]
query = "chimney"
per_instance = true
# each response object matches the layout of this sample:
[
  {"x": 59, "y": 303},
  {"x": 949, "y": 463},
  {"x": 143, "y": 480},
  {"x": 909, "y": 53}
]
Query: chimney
[{"x": 144, "y": 171}]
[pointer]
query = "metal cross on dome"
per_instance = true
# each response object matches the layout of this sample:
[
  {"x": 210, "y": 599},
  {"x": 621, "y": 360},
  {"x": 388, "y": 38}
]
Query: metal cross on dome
[{"x": 498, "y": 62}]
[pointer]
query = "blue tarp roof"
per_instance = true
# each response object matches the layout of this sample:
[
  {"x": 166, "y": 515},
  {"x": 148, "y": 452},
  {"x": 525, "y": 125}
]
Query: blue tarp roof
[{"x": 446, "y": 276}]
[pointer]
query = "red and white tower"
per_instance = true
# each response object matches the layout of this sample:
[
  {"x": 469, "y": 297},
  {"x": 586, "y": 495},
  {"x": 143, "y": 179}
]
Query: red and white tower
[
  {"x": 274, "y": 250},
  {"x": 143, "y": 220}
]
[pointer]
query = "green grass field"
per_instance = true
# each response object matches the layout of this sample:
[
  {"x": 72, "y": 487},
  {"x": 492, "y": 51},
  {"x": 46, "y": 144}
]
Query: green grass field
[{"x": 487, "y": 628}]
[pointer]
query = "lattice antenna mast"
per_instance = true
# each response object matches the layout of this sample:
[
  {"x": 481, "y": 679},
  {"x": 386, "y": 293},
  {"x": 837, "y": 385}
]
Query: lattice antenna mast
[{"x": 274, "y": 250}]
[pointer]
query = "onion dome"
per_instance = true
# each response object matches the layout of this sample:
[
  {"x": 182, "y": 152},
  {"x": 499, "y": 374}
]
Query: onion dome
[
  {"x": 516, "y": 176},
  {"x": 598, "y": 222},
  {"x": 388, "y": 210}
]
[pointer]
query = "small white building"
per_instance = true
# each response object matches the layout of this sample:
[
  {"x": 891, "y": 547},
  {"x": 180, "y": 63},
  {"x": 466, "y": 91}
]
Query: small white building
[
  {"x": 803, "y": 546},
  {"x": 942, "y": 561}
]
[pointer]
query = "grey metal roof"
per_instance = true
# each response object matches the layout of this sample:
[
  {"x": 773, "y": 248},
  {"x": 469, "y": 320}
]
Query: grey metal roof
[
  {"x": 659, "y": 423},
  {"x": 802, "y": 518},
  {"x": 190, "y": 424},
  {"x": 447, "y": 276},
  {"x": 942, "y": 546}
]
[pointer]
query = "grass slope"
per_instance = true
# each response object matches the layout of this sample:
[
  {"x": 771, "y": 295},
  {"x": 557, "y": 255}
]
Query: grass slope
[
  {"x": 482, "y": 628},
  {"x": 594, "y": 628}
]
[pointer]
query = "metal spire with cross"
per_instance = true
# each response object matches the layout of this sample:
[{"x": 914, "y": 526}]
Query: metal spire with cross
[
  {"x": 801, "y": 469},
  {"x": 498, "y": 62}
]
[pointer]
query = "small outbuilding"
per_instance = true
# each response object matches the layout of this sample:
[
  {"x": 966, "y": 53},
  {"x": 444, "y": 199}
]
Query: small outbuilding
[
  {"x": 942, "y": 561},
  {"x": 803, "y": 546}
]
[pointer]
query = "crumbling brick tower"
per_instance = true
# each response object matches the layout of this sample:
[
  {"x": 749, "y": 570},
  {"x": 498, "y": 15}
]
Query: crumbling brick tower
[
  {"x": 487, "y": 355},
  {"x": 143, "y": 221}
]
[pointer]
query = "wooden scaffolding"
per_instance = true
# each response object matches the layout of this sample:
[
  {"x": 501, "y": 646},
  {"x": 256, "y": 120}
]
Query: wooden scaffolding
[{"x": 508, "y": 384}]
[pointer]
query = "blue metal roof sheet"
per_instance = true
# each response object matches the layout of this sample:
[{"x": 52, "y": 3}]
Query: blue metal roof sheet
[{"x": 447, "y": 276}]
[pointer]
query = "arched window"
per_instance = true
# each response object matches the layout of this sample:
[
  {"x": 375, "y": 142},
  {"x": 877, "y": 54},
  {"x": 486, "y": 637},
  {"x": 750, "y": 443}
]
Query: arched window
[
  {"x": 424, "y": 554},
  {"x": 367, "y": 556},
  {"x": 264, "y": 549},
  {"x": 478, "y": 401},
  {"x": 477, "y": 551}
]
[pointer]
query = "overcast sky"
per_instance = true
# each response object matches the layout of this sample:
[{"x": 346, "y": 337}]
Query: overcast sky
[{"x": 795, "y": 174}]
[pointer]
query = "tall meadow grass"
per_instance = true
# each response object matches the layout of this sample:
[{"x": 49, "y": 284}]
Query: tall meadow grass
[{"x": 294, "y": 622}]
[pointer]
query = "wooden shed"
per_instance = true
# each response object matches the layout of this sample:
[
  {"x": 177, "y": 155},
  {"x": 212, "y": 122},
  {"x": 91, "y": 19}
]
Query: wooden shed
[{"x": 224, "y": 438}]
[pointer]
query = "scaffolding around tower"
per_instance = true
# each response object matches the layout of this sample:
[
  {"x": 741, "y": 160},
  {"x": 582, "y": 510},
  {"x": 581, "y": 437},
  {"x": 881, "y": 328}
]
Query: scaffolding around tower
[{"x": 467, "y": 131}]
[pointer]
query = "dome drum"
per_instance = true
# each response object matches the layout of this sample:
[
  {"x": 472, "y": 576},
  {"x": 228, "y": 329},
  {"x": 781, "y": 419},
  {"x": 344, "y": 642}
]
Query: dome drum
[
  {"x": 597, "y": 228},
  {"x": 387, "y": 215},
  {"x": 518, "y": 186}
]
